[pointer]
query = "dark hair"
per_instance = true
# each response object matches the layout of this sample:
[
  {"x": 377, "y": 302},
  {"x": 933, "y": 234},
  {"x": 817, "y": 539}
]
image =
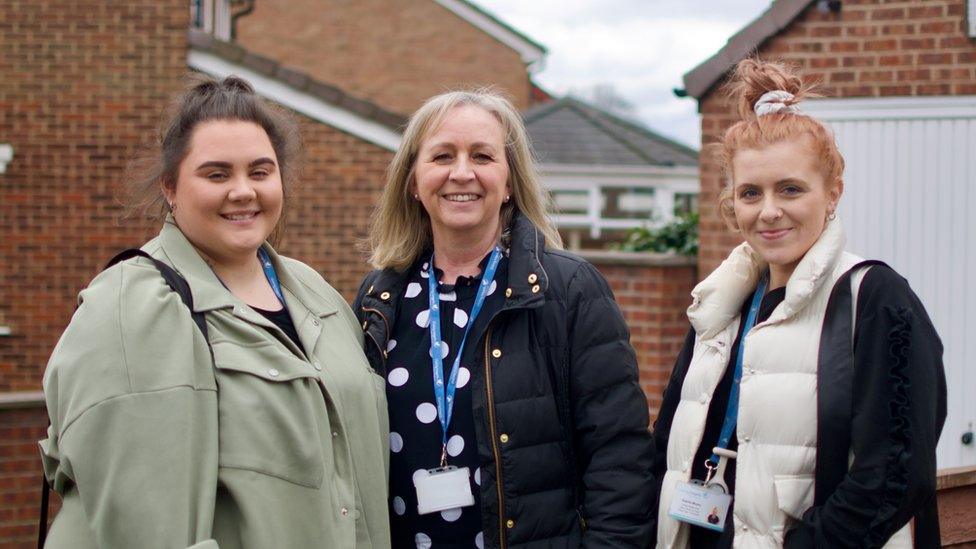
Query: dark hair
[{"x": 204, "y": 99}]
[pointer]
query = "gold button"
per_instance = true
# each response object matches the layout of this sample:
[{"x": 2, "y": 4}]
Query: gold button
[
  {"x": 370, "y": 290},
  {"x": 508, "y": 292},
  {"x": 497, "y": 353},
  {"x": 364, "y": 324},
  {"x": 533, "y": 278},
  {"x": 385, "y": 295},
  {"x": 384, "y": 354},
  {"x": 535, "y": 289},
  {"x": 503, "y": 438},
  {"x": 510, "y": 523}
]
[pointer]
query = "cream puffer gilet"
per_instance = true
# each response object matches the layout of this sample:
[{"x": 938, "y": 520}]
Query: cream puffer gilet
[{"x": 777, "y": 422}]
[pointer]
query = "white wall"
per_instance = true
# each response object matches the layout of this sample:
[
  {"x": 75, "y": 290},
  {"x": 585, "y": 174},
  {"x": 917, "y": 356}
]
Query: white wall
[{"x": 910, "y": 200}]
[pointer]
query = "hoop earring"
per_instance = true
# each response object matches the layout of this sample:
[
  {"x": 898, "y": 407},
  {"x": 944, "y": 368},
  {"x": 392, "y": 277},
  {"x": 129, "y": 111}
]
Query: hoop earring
[
  {"x": 831, "y": 216},
  {"x": 172, "y": 206}
]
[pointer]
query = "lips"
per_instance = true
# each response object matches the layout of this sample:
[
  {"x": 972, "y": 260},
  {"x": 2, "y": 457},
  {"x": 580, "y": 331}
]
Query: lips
[
  {"x": 240, "y": 216},
  {"x": 461, "y": 197},
  {"x": 773, "y": 234}
]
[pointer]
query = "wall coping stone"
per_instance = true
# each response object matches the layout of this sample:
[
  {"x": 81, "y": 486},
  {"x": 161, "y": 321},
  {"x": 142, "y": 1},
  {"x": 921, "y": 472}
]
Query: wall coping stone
[
  {"x": 637, "y": 259},
  {"x": 21, "y": 399},
  {"x": 955, "y": 477}
]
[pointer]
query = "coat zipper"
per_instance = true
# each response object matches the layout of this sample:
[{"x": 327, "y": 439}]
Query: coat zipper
[{"x": 494, "y": 441}]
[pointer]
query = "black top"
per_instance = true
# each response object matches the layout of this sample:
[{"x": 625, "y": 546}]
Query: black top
[
  {"x": 866, "y": 502},
  {"x": 415, "y": 430},
  {"x": 282, "y": 319}
]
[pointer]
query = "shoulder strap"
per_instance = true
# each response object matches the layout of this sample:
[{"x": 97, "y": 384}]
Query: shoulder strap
[
  {"x": 178, "y": 284},
  {"x": 835, "y": 385}
]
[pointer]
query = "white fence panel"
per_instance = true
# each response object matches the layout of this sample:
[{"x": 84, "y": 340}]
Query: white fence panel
[{"x": 909, "y": 200}]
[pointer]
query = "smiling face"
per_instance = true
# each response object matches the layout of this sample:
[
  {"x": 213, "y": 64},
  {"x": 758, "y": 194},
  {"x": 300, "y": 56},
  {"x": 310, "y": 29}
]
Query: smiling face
[
  {"x": 781, "y": 201},
  {"x": 228, "y": 194},
  {"x": 461, "y": 174}
]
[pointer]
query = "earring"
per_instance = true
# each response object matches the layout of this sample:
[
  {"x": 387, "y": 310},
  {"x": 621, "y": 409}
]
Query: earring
[
  {"x": 416, "y": 196},
  {"x": 172, "y": 206},
  {"x": 831, "y": 216},
  {"x": 507, "y": 197}
]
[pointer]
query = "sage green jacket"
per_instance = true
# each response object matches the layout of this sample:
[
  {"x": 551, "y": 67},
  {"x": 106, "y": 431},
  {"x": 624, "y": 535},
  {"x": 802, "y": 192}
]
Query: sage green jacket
[{"x": 152, "y": 445}]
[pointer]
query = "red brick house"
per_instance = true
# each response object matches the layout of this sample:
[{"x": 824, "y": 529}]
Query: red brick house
[{"x": 901, "y": 80}]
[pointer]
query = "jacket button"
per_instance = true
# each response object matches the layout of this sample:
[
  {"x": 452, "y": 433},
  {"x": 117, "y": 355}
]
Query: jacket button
[
  {"x": 533, "y": 278},
  {"x": 503, "y": 438},
  {"x": 344, "y": 512},
  {"x": 510, "y": 523},
  {"x": 364, "y": 324},
  {"x": 497, "y": 353},
  {"x": 317, "y": 366},
  {"x": 745, "y": 440},
  {"x": 703, "y": 398},
  {"x": 370, "y": 290},
  {"x": 315, "y": 322},
  {"x": 273, "y": 373},
  {"x": 335, "y": 434},
  {"x": 385, "y": 295},
  {"x": 385, "y": 354},
  {"x": 535, "y": 289},
  {"x": 508, "y": 292}
]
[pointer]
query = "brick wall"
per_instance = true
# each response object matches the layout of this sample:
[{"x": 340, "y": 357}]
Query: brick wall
[
  {"x": 653, "y": 293},
  {"x": 83, "y": 83},
  {"x": 395, "y": 53},
  {"x": 872, "y": 48},
  {"x": 20, "y": 476}
]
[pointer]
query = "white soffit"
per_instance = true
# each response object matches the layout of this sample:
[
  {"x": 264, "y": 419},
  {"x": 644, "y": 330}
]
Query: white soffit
[
  {"x": 900, "y": 108},
  {"x": 301, "y": 102},
  {"x": 6, "y": 155},
  {"x": 971, "y": 18},
  {"x": 531, "y": 53},
  {"x": 614, "y": 170}
]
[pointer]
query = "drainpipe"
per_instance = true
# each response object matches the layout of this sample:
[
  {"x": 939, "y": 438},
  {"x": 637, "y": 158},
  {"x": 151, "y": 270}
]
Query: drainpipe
[{"x": 247, "y": 9}]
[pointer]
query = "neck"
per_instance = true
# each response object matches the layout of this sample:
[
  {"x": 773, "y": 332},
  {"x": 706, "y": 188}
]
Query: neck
[
  {"x": 779, "y": 275},
  {"x": 235, "y": 271},
  {"x": 461, "y": 254}
]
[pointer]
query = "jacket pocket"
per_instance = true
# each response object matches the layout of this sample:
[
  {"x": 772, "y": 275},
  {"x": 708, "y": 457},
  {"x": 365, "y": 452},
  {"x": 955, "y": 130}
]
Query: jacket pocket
[
  {"x": 271, "y": 413},
  {"x": 794, "y": 494}
]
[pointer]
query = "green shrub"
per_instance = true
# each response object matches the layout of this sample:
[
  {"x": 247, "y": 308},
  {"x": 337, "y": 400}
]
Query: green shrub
[{"x": 679, "y": 236}]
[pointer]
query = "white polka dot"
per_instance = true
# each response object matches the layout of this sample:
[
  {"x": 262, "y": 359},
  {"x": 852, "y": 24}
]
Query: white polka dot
[
  {"x": 399, "y": 506},
  {"x": 451, "y": 515},
  {"x": 460, "y": 318},
  {"x": 444, "y": 350},
  {"x": 413, "y": 290},
  {"x": 390, "y": 345},
  {"x": 492, "y": 287},
  {"x": 418, "y": 474},
  {"x": 455, "y": 445},
  {"x": 477, "y": 476},
  {"x": 423, "y": 318},
  {"x": 426, "y": 412},
  {"x": 396, "y": 442},
  {"x": 464, "y": 375},
  {"x": 449, "y": 296},
  {"x": 398, "y": 376},
  {"x": 422, "y": 540},
  {"x": 479, "y": 541}
]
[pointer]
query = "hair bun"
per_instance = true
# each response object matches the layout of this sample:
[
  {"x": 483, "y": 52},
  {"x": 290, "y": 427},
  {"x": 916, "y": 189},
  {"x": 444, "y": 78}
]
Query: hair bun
[
  {"x": 236, "y": 83},
  {"x": 754, "y": 78}
]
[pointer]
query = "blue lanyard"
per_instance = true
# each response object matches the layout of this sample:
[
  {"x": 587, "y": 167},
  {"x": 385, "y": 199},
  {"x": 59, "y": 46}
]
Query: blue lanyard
[
  {"x": 444, "y": 395},
  {"x": 732, "y": 412},
  {"x": 270, "y": 274}
]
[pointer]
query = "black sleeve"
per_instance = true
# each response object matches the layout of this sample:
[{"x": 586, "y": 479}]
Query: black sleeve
[
  {"x": 898, "y": 412},
  {"x": 357, "y": 303},
  {"x": 662, "y": 425},
  {"x": 610, "y": 418}
]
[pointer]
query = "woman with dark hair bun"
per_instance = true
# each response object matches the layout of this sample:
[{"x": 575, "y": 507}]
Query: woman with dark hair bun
[
  {"x": 233, "y": 408},
  {"x": 806, "y": 404}
]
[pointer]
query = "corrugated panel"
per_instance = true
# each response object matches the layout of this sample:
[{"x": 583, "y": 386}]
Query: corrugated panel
[{"x": 909, "y": 201}]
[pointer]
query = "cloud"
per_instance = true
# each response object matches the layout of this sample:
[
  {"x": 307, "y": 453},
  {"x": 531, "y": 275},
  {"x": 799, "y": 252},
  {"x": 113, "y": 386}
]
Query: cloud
[{"x": 641, "y": 47}]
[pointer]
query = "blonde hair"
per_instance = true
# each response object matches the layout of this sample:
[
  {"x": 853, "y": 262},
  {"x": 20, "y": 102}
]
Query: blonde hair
[
  {"x": 752, "y": 78},
  {"x": 400, "y": 227}
]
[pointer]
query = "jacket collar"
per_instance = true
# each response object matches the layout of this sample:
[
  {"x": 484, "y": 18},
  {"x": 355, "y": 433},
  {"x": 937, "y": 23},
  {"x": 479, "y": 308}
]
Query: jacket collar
[
  {"x": 525, "y": 273},
  {"x": 717, "y": 300}
]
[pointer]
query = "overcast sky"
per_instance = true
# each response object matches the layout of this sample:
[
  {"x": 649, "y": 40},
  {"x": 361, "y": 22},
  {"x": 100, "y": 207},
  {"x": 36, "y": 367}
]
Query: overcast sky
[{"x": 641, "y": 47}]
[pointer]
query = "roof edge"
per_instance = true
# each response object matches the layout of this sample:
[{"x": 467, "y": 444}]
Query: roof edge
[
  {"x": 701, "y": 79},
  {"x": 531, "y": 51}
]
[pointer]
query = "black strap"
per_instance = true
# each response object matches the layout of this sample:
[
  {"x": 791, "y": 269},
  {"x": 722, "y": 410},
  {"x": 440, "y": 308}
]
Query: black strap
[
  {"x": 835, "y": 403},
  {"x": 178, "y": 284}
]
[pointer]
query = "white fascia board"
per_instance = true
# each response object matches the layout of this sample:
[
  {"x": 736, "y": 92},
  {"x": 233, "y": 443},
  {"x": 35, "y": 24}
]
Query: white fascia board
[
  {"x": 892, "y": 108},
  {"x": 531, "y": 54},
  {"x": 5, "y": 331},
  {"x": 300, "y": 102},
  {"x": 590, "y": 170},
  {"x": 971, "y": 18},
  {"x": 6, "y": 155}
]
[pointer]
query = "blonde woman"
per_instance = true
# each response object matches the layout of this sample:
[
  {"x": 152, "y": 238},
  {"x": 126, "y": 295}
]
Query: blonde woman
[{"x": 524, "y": 423}]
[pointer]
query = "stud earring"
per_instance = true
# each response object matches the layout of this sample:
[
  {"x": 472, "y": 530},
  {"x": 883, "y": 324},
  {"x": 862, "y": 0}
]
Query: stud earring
[
  {"x": 416, "y": 196},
  {"x": 831, "y": 216},
  {"x": 507, "y": 197}
]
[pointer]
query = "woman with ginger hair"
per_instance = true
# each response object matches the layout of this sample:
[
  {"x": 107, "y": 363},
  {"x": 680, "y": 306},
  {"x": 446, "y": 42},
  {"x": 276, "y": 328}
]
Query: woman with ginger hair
[{"x": 809, "y": 396}]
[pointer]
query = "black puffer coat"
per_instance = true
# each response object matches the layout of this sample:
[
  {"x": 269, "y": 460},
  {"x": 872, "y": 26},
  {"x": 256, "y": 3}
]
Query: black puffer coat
[{"x": 560, "y": 418}]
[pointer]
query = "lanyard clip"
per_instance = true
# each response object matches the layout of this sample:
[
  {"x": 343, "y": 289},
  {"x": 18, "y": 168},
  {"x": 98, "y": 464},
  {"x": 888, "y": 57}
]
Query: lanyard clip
[
  {"x": 716, "y": 471},
  {"x": 443, "y": 455}
]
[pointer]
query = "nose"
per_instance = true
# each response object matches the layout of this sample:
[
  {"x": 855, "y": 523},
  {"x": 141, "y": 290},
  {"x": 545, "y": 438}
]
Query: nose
[
  {"x": 240, "y": 189},
  {"x": 771, "y": 210},
  {"x": 462, "y": 170}
]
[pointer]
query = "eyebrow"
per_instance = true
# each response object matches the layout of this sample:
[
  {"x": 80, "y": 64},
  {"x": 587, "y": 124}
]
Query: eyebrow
[
  {"x": 228, "y": 165},
  {"x": 475, "y": 145}
]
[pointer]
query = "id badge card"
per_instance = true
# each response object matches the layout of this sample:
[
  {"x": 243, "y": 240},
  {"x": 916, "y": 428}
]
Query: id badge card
[
  {"x": 700, "y": 504},
  {"x": 442, "y": 489}
]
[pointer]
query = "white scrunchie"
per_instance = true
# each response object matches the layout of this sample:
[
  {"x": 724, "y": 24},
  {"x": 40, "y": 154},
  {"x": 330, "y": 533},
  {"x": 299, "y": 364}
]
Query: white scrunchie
[{"x": 773, "y": 102}]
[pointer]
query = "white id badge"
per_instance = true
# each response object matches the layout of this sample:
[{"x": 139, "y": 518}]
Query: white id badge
[
  {"x": 701, "y": 505},
  {"x": 442, "y": 489}
]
